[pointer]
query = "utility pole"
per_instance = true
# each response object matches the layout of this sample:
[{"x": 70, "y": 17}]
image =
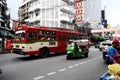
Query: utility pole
[{"x": 5, "y": 35}]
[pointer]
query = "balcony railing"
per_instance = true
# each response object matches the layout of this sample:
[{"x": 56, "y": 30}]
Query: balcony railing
[
  {"x": 33, "y": 8},
  {"x": 33, "y": 19}
]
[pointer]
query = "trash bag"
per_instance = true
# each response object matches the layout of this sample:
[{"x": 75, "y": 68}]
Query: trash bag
[{"x": 114, "y": 69}]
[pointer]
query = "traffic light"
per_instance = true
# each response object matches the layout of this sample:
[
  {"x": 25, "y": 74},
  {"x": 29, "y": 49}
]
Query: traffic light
[{"x": 104, "y": 23}]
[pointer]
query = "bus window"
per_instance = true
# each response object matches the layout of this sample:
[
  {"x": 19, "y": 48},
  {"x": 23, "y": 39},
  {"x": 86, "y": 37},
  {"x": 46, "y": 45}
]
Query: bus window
[
  {"x": 72, "y": 36},
  {"x": 20, "y": 36},
  {"x": 68, "y": 36},
  {"x": 75, "y": 36},
  {"x": 48, "y": 35},
  {"x": 41, "y": 35},
  {"x": 79, "y": 37},
  {"x": 53, "y": 35},
  {"x": 83, "y": 37},
  {"x": 32, "y": 36}
]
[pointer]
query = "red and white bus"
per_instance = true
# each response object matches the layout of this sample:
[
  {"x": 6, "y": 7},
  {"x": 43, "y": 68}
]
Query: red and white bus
[{"x": 42, "y": 40}]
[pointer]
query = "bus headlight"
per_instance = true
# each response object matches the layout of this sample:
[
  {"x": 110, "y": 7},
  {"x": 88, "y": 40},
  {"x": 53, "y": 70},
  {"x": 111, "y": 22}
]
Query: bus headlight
[{"x": 23, "y": 46}]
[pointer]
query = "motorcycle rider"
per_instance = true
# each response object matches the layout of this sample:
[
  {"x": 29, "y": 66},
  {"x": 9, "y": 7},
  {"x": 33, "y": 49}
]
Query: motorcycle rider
[{"x": 114, "y": 56}]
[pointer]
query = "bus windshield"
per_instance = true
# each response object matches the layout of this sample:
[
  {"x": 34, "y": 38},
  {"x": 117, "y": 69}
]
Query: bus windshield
[{"x": 20, "y": 35}]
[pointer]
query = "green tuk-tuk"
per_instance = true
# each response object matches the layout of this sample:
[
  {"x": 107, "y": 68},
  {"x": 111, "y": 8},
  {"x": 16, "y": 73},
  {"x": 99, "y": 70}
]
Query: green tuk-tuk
[{"x": 77, "y": 48}]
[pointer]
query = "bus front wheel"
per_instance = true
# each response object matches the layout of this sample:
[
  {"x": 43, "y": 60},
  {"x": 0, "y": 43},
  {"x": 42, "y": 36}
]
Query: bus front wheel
[{"x": 44, "y": 52}]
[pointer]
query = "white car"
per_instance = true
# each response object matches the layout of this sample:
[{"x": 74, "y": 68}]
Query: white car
[{"x": 104, "y": 45}]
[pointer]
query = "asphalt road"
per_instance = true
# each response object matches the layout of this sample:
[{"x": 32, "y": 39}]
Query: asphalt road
[{"x": 55, "y": 67}]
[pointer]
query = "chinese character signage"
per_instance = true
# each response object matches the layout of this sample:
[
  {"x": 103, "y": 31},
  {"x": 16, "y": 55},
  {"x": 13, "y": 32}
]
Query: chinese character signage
[{"x": 78, "y": 10}]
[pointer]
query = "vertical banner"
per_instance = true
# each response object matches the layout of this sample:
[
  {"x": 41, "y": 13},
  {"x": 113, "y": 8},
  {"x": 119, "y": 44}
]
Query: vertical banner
[{"x": 78, "y": 6}]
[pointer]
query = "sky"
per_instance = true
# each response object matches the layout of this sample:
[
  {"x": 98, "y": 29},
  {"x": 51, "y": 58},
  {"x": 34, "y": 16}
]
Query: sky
[
  {"x": 112, "y": 8},
  {"x": 13, "y": 8}
]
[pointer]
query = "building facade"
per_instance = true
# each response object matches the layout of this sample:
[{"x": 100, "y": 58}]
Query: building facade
[
  {"x": 49, "y": 13},
  {"x": 14, "y": 24},
  {"x": 4, "y": 17},
  {"x": 3, "y": 8},
  {"x": 23, "y": 12},
  {"x": 60, "y": 13},
  {"x": 4, "y": 24},
  {"x": 90, "y": 13}
]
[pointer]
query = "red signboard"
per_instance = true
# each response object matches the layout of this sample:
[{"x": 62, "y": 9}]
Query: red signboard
[
  {"x": 78, "y": 5},
  {"x": 79, "y": 11},
  {"x": 78, "y": 18},
  {"x": 78, "y": 0}
]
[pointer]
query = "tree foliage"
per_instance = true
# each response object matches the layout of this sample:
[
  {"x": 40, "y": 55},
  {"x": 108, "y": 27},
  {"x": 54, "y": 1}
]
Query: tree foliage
[{"x": 96, "y": 38}]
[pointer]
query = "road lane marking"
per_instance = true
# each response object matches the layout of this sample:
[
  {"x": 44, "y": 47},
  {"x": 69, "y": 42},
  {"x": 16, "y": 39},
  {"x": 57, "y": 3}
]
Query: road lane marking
[
  {"x": 64, "y": 69},
  {"x": 52, "y": 73},
  {"x": 80, "y": 63},
  {"x": 84, "y": 62},
  {"x": 70, "y": 67},
  {"x": 61, "y": 70},
  {"x": 76, "y": 65},
  {"x": 94, "y": 59},
  {"x": 38, "y": 78},
  {"x": 88, "y": 60}
]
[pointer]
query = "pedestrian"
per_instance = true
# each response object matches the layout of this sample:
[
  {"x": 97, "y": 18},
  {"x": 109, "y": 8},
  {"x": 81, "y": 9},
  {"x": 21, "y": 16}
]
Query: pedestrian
[{"x": 114, "y": 56}]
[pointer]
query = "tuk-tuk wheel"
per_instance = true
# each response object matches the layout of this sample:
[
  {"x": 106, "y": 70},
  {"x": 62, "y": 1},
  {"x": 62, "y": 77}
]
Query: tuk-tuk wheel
[
  {"x": 86, "y": 55},
  {"x": 69, "y": 56},
  {"x": 0, "y": 71}
]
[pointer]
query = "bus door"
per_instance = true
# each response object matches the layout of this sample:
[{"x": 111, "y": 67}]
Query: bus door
[
  {"x": 61, "y": 43},
  {"x": 32, "y": 39}
]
